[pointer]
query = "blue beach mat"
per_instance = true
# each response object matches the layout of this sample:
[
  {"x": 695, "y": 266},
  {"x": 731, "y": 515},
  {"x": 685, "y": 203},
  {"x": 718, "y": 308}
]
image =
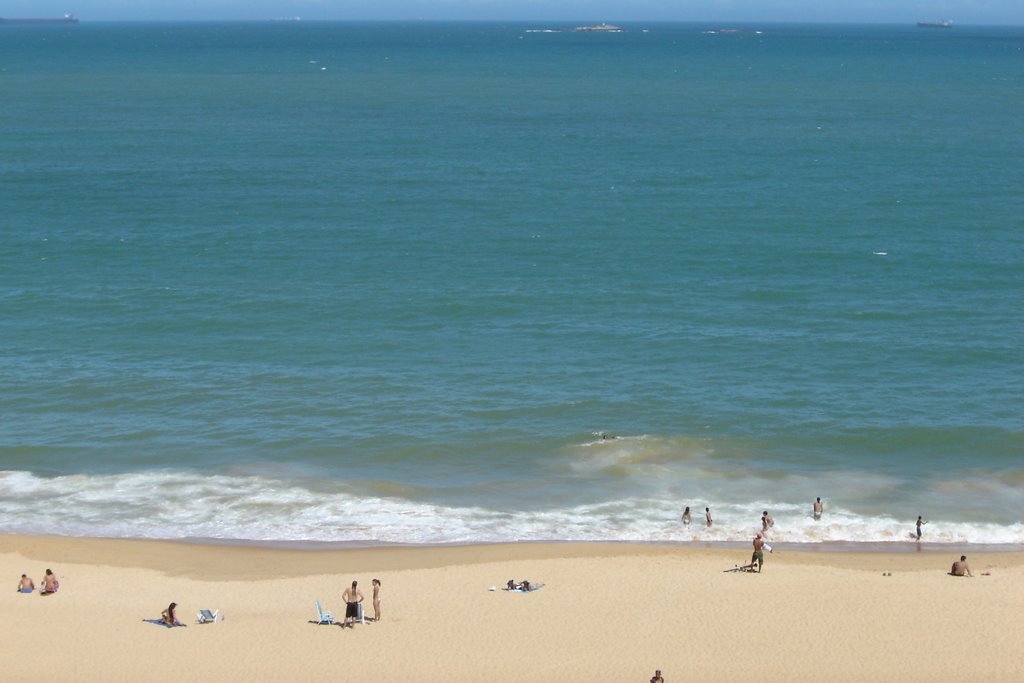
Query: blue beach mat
[{"x": 160, "y": 622}]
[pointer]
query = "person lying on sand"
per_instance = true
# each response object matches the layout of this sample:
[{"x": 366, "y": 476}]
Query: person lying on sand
[
  {"x": 50, "y": 584},
  {"x": 26, "y": 585}
]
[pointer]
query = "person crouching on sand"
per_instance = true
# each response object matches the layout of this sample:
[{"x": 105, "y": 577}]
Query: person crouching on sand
[{"x": 26, "y": 585}]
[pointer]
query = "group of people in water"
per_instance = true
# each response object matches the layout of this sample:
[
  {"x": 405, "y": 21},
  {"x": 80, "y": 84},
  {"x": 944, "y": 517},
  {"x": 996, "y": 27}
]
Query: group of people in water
[
  {"x": 766, "y": 520},
  {"x": 50, "y": 584}
]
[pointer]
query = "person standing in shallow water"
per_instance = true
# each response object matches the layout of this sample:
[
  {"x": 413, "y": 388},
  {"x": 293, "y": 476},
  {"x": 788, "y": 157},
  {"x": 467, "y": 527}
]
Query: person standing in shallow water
[
  {"x": 918, "y": 526},
  {"x": 707, "y": 516},
  {"x": 818, "y": 508},
  {"x": 686, "y": 516}
]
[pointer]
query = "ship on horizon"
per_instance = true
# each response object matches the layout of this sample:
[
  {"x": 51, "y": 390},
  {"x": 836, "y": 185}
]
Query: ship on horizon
[
  {"x": 66, "y": 19},
  {"x": 945, "y": 23}
]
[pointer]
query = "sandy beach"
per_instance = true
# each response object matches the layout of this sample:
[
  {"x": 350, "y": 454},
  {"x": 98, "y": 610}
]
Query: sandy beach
[{"x": 606, "y": 613}]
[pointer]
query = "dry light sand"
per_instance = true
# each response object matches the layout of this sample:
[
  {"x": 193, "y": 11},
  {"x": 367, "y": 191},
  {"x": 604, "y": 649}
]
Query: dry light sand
[{"x": 606, "y": 613}]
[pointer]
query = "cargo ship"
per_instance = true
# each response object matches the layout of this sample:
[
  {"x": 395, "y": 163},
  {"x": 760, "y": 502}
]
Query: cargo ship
[
  {"x": 935, "y": 24},
  {"x": 66, "y": 19}
]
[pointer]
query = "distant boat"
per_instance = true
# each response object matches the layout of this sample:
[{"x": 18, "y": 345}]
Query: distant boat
[
  {"x": 935, "y": 24},
  {"x": 66, "y": 19},
  {"x": 607, "y": 28}
]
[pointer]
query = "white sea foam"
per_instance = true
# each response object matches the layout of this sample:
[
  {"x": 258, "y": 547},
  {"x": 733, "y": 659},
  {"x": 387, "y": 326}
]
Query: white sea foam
[{"x": 195, "y": 505}]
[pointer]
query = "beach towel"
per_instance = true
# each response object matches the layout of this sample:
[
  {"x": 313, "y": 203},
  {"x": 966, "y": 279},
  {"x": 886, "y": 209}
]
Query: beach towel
[{"x": 160, "y": 622}]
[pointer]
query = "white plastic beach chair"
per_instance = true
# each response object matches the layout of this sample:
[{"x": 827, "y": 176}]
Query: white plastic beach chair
[
  {"x": 205, "y": 616},
  {"x": 323, "y": 616}
]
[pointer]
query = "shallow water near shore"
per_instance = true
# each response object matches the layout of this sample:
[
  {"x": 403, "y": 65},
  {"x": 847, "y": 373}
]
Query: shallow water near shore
[{"x": 391, "y": 283}]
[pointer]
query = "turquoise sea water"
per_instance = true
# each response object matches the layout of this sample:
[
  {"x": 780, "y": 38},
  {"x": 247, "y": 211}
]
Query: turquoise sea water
[{"x": 390, "y": 282}]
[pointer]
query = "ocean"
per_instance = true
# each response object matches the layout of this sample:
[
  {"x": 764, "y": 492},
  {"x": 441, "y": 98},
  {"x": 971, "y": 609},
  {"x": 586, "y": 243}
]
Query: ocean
[{"x": 432, "y": 283}]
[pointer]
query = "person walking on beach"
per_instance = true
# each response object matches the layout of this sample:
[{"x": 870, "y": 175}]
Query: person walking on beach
[
  {"x": 919, "y": 525},
  {"x": 686, "y": 516},
  {"x": 352, "y": 598},
  {"x": 758, "y": 554},
  {"x": 818, "y": 508},
  {"x": 376, "y": 600},
  {"x": 961, "y": 568},
  {"x": 707, "y": 516}
]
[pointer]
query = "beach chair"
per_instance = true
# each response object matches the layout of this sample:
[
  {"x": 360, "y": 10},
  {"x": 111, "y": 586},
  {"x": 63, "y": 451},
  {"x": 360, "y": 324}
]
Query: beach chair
[
  {"x": 205, "y": 616},
  {"x": 323, "y": 616}
]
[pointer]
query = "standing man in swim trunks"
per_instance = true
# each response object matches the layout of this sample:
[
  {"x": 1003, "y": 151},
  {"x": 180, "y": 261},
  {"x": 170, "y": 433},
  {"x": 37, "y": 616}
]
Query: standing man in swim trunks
[
  {"x": 919, "y": 525},
  {"x": 707, "y": 516},
  {"x": 818, "y": 508},
  {"x": 758, "y": 555},
  {"x": 352, "y": 598}
]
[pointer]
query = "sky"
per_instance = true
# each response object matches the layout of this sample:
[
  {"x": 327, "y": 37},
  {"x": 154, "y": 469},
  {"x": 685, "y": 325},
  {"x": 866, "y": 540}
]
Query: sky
[{"x": 984, "y": 12}]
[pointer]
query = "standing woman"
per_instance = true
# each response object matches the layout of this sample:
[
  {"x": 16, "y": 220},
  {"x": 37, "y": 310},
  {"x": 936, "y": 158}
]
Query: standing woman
[
  {"x": 686, "y": 516},
  {"x": 376, "y": 600}
]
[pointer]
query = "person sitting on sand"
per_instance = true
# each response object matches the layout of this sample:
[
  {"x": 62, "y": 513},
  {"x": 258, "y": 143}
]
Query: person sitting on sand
[
  {"x": 961, "y": 568},
  {"x": 168, "y": 616},
  {"x": 656, "y": 678},
  {"x": 511, "y": 585},
  {"x": 26, "y": 585},
  {"x": 50, "y": 584},
  {"x": 525, "y": 586}
]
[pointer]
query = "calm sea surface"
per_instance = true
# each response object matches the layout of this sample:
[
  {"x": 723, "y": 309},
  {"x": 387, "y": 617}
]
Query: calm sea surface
[{"x": 391, "y": 282}]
